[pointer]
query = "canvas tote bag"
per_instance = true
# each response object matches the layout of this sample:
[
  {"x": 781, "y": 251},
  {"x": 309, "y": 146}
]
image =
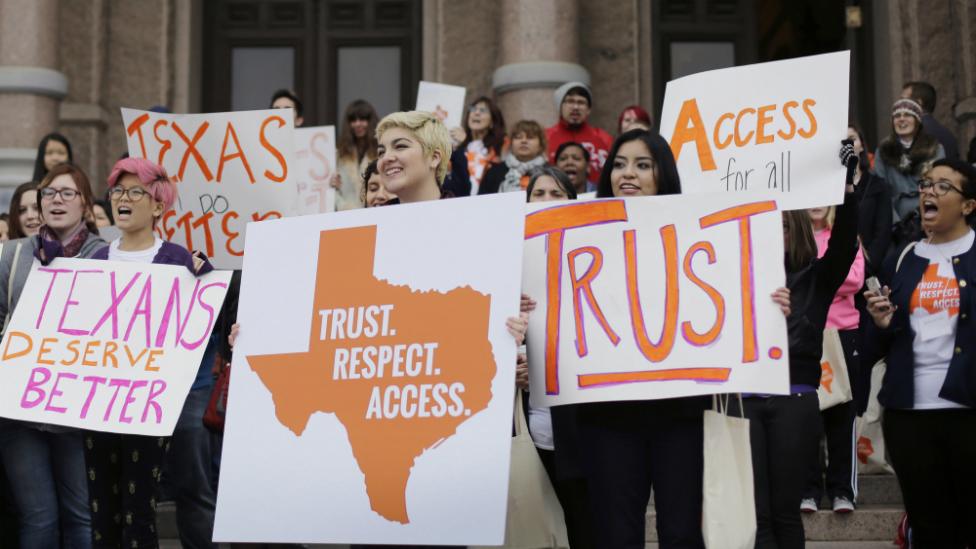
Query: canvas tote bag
[{"x": 728, "y": 507}]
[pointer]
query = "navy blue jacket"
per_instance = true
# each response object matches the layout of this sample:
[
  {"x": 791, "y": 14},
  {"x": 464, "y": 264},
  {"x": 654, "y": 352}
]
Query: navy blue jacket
[
  {"x": 168, "y": 254},
  {"x": 895, "y": 342}
]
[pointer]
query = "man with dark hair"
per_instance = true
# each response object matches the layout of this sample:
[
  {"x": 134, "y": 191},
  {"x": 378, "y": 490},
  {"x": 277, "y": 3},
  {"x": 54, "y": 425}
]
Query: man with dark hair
[
  {"x": 286, "y": 99},
  {"x": 924, "y": 94},
  {"x": 574, "y": 101}
]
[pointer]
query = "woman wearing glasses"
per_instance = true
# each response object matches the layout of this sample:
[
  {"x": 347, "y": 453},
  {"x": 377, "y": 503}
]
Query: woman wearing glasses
[
  {"x": 923, "y": 326},
  {"x": 45, "y": 463},
  {"x": 124, "y": 470},
  {"x": 482, "y": 138}
]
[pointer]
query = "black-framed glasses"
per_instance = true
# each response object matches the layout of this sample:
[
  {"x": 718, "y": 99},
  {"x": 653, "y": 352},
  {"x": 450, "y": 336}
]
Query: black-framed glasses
[
  {"x": 940, "y": 187},
  {"x": 135, "y": 194},
  {"x": 48, "y": 193}
]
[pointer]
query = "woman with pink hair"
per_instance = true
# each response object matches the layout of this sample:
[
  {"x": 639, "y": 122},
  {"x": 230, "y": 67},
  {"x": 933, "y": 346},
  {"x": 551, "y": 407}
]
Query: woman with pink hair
[{"x": 124, "y": 470}]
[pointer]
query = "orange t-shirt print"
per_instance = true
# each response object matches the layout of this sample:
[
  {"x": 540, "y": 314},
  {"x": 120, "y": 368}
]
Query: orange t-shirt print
[{"x": 935, "y": 293}]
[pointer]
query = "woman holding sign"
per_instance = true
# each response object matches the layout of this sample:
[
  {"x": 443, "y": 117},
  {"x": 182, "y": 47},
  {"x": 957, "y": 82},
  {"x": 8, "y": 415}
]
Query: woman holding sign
[
  {"x": 124, "y": 470},
  {"x": 923, "y": 328},
  {"x": 46, "y": 464}
]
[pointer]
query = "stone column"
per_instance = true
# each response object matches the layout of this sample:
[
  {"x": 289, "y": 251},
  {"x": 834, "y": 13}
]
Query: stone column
[
  {"x": 538, "y": 52},
  {"x": 31, "y": 85}
]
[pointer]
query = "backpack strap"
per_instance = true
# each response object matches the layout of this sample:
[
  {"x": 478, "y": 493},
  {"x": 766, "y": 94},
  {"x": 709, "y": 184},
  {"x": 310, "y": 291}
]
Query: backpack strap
[
  {"x": 10, "y": 286},
  {"x": 910, "y": 247}
]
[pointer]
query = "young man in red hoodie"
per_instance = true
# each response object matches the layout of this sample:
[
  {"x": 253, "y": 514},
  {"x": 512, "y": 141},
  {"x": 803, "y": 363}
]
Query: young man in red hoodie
[{"x": 574, "y": 101}]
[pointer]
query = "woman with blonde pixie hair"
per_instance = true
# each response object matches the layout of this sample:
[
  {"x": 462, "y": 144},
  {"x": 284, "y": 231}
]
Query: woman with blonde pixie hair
[{"x": 412, "y": 157}]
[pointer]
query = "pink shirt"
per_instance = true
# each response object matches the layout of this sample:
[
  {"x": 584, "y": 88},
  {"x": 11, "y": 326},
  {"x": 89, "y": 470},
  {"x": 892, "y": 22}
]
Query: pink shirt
[{"x": 843, "y": 315}]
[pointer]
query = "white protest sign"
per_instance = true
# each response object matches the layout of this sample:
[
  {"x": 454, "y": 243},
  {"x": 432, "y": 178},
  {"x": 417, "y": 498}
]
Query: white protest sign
[
  {"x": 315, "y": 155},
  {"x": 773, "y": 129},
  {"x": 230, "y": 169},
  {"x": 657, "y": 297},
  {"x": 445, "y": 101},
  {"x": 385, "y": 378},
  {"x": 106, "y": 345}
]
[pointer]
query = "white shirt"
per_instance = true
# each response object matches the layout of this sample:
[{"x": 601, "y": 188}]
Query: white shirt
[
  {"x": 934, "y": 313},
  {"x": 140, "y": 256}
]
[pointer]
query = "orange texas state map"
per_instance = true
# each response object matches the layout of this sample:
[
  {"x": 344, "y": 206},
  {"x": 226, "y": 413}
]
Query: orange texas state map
[{"x": 453, "y": 382}]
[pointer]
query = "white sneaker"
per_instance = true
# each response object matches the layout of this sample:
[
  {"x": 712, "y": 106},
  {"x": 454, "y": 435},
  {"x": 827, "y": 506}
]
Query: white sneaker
[
  {"x": 843, "y": 505},
  {"x": 808, "y": 505}
]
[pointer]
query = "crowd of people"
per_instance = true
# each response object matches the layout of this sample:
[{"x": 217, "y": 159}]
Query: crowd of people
[{"x": 906, "y": 222}]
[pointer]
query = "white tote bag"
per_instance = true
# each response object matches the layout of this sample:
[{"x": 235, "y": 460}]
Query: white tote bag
[
  {"x": 729, "y": 508},
  {"x": 535, "y": 518},
  {"x": 870, "y": 440},
  {"x": 835, "y": 384}
]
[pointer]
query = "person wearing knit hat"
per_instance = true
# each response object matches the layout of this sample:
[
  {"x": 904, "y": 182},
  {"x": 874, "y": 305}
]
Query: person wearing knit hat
[
  {"x": 574, "y": 101},
  {"x": 904, "y": 156}
]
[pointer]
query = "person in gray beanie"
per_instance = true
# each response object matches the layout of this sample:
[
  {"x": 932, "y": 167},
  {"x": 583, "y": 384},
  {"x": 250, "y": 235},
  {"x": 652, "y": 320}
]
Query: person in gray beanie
[{"x": 574, "y": 101}]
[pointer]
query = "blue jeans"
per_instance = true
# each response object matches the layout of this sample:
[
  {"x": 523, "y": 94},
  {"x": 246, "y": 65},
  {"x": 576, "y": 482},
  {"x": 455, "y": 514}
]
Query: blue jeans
[
  {"x": 190, "y": 471},
  {"x": 47, "y": 478}
]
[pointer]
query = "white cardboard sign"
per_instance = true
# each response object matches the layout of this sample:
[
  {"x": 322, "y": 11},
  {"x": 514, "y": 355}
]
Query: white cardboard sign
[
  {"x": 656, "y": 297},
  {"x": 773, "y": 129},
  {"x": 315, "y": 159},
  {"x": 444, "y": 100}
]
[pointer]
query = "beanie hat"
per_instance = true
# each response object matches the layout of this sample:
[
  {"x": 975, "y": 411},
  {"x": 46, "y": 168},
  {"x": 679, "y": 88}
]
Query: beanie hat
[
  {"x": 563, "y": 90},
  {"x": 907, "y": 106}
]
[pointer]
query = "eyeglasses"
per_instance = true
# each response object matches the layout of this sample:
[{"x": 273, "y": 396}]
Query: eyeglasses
[
  {"x": 48, "y": 193},
  {"x": 480, "y": 109},
  {"x": 135, "y": 194},
  {"x": 940, "y": 187}
]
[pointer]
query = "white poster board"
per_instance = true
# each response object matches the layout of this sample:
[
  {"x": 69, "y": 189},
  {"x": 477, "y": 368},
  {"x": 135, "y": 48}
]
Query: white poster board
[
  {"x": 230, "y": 168},
  {"x": 656, "y": 297},
  {"x": 315, "y": 160},
  {"x": 107, "y": 345},
  {"x": 444, "y": 100},
  {"x": 773, "y": 129},
  {"x": 375, "y": 405}
]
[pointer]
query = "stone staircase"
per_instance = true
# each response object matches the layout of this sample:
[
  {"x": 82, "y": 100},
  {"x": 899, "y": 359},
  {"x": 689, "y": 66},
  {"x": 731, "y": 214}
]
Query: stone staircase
[{"x": 871, "y": 526}]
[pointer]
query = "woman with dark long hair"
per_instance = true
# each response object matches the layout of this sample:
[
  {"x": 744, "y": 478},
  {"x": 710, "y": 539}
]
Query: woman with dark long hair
[
  {"x": 54, "y": 149},
  {"x": 355, "y": 148},
  {"x": 25, "y": 217},
  {"x": 482, "y": 138}
]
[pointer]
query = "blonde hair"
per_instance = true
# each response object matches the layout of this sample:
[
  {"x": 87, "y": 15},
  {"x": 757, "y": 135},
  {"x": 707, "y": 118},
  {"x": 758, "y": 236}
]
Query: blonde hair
[{"x": 430, "y": 131}]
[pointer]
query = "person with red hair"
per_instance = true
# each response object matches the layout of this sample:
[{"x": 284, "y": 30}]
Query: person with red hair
[
  {"x": 634, "y": 117},
  {"x": 124, "y": 470}
]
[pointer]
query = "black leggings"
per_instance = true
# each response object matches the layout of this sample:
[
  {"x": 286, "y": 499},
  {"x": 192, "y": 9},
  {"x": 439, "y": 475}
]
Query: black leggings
[
  {"x": 574, "y": 501},
  {"x": 933, "y": 453},
  {"x": 783, "y": 433}
]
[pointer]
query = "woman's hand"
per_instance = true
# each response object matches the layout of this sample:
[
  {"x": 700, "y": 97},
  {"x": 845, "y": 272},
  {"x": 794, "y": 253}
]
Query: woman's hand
[
  {"x": 457, "y": 136},
  {"x": 336, "y": 181},
  {"x": 880, "y": 307},
  {"x": 782, "y": 298},
  {"x": 521, "y": 371},
  {"x": 197, "y": 261},
  {"x": 233, "y": 334},
  {"x": 527, "y": 305},
  {"x": 518, "y": 326}
]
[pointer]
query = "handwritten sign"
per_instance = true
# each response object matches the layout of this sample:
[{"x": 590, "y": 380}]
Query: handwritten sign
[
  {"x": 771, "y": 128},
  {"x": 658, "y": 297},
  {"x": 315, "y": 160},
  {"x": 107, "y": 346},
  {"x": 445, "y": 101},
  {"x": 388, "y": 382},
  {"x": 230, "y": 169}
]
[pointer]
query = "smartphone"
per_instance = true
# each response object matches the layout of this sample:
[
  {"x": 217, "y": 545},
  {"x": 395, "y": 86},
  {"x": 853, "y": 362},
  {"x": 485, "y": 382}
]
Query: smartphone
[{"x": 873, "y": 284}]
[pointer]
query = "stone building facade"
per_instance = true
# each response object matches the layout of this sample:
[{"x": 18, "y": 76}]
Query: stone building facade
[{"x": 69, "y": 65}]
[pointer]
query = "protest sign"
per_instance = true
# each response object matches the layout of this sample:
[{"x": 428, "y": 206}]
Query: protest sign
[
  {"x": 230, "y": 169},
  {"x": 445, "y": 101},
  {"x": 106, "y": 345},
  {"x": 315, "y": 160},
  {"x": 375, "y": 406},
  {"x": 656, "y": 297},
  {"x": 773, "y": 129}
]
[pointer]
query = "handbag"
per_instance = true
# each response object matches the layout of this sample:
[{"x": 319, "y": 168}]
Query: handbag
[
  {"x": 835, "y": 383},
  {"x": 728, "y": 506},
  {"x": 870, "y": 439},
  {"x": 535, "y": 518}
]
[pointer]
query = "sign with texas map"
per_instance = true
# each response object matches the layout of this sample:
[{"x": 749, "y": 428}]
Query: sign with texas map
[{"x": 373, "y": 377}]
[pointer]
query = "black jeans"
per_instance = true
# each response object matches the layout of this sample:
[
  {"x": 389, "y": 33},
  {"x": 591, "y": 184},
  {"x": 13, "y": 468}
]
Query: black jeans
[
  {"x": 573, "y": 499},
  {"x": 837, "y": 426},
  {"x": 632, "y": 445},
  {"x": 933, "y": 453},
  {"x": 123, "y": 475},
  {"x": 783, "y": 433}
]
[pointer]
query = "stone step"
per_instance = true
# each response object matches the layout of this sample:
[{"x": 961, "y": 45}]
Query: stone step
[
  {"x": 878, "y": 490},
  {"x": 867, "y": 523}
]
